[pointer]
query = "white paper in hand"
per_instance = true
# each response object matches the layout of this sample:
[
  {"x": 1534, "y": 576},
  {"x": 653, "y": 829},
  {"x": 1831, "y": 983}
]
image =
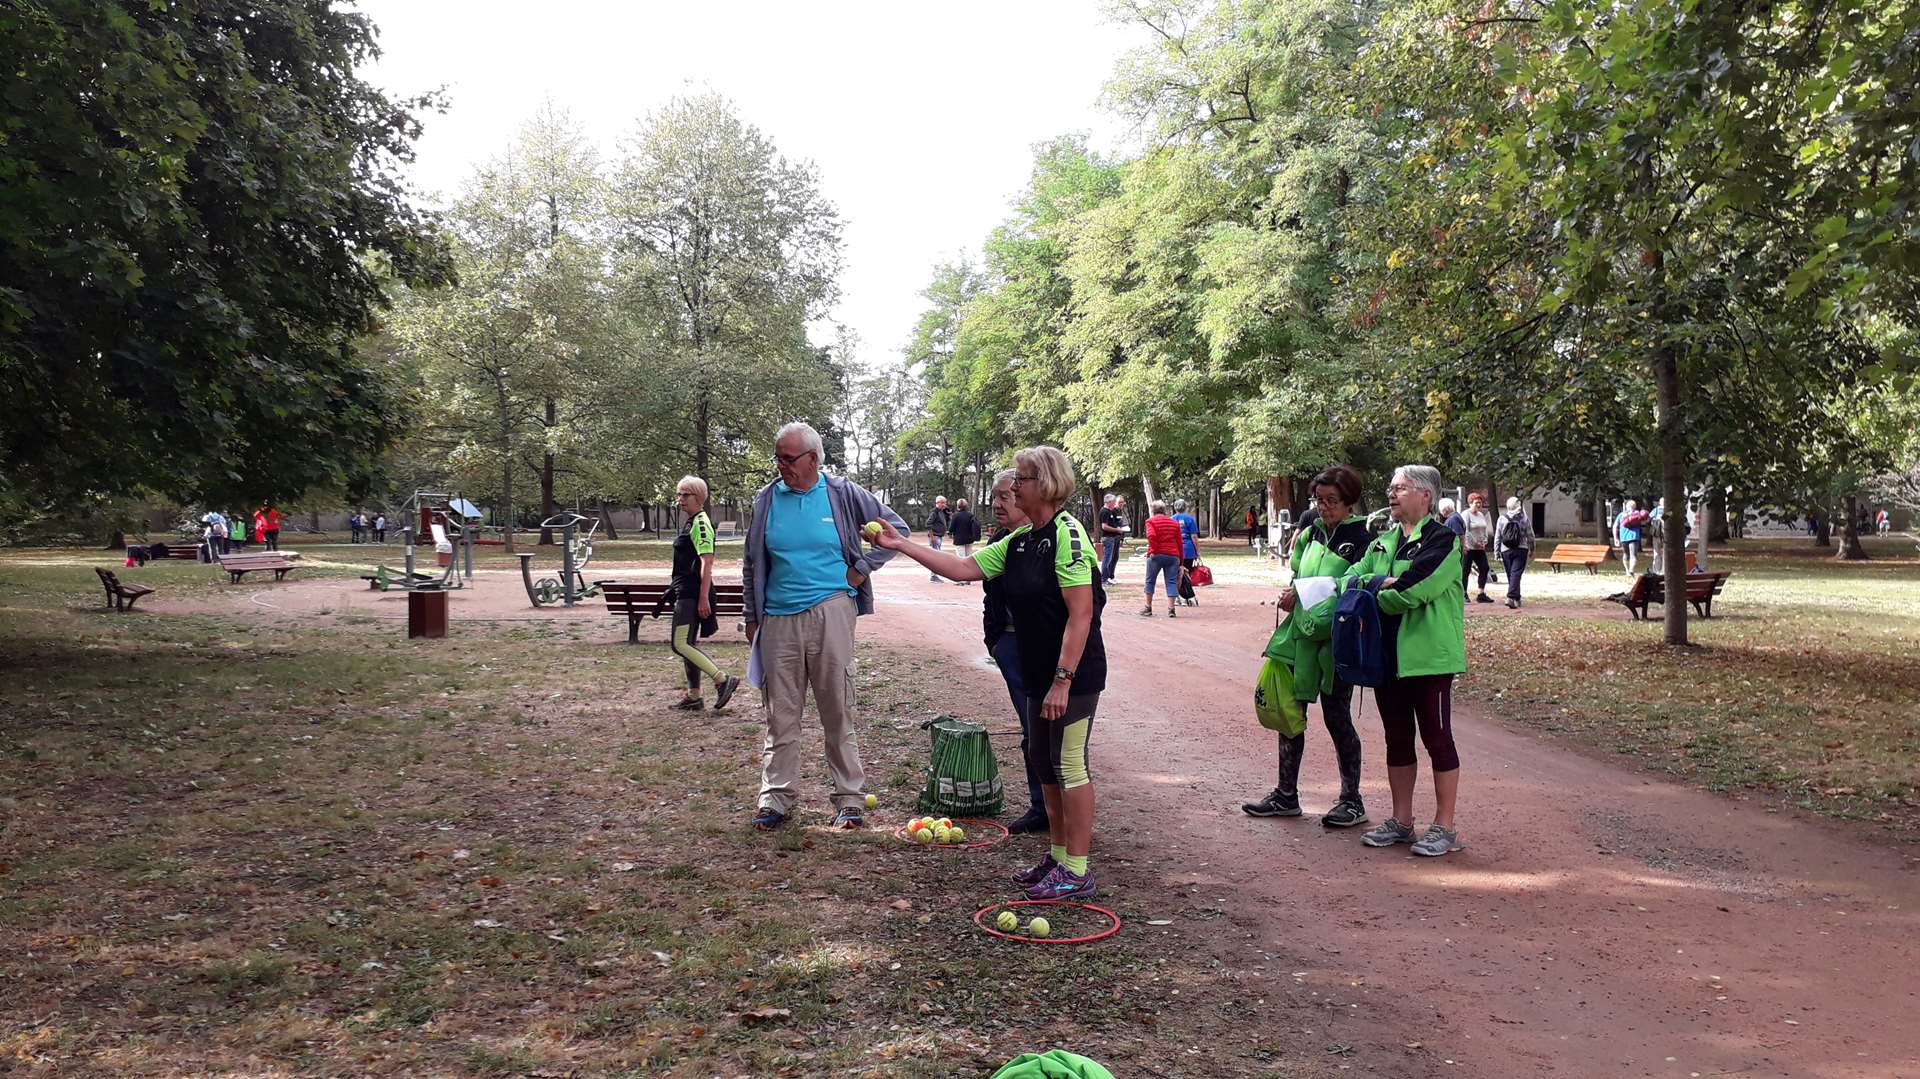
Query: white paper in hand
[
  {"x": 756, "y": 676},
  {"x": 1312, "y": 591}
]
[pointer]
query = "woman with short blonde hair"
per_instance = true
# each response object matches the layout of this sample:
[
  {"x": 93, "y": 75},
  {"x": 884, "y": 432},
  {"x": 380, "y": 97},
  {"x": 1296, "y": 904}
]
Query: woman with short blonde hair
[
  {"x": 1047, "y": 572},
  {"x": 693, "y": 598}
]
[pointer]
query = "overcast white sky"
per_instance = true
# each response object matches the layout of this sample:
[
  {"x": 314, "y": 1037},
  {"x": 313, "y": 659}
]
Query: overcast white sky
[{"x": 920, "y": 116}]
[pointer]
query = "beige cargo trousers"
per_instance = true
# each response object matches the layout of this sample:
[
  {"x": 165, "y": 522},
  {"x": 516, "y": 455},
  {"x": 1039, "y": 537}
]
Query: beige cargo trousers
[{"x": 811, "y": 649}]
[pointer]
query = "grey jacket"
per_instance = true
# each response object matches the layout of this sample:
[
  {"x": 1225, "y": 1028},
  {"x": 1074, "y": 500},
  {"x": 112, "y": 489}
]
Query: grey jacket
[{"x": 853, "y": 507}]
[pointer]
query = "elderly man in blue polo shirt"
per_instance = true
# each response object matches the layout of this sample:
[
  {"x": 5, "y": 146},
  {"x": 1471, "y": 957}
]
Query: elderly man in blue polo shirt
[{"x": 805, "y": 579}]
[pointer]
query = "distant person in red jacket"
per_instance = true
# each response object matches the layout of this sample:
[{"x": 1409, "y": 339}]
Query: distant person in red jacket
[
  {"x": 1163, "y": 556},
  {"x": 266, "y": 525}
]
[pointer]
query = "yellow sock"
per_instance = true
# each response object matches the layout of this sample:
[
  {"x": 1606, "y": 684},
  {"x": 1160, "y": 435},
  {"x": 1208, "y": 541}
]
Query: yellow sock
[
  {"x": 1059, "y": 853},
  {"x": 1075, "y": 863}
]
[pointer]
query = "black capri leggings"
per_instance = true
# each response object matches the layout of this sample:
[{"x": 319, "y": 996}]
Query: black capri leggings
[{"x": 1424, "y": 701}]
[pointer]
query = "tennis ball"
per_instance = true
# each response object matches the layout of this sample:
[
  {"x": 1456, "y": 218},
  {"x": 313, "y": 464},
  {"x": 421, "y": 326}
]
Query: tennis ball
[
  {"x": 943, "y": 835},
  {"x": 872, "y": 801},
  {"x": 923, "y": 836},
  {"x": 872, "y": 531},
  {"x": 1007, "y": 922},
  {"x": 1039, "y": 927},
  {"x": 957, "y": 835},
  {"x": 914, "y": 825},
  {"x": 946, "y": 822}
]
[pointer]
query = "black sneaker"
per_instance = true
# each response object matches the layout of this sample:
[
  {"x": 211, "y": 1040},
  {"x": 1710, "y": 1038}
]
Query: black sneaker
[
  {"x": 727, "y": 689},
  {"x": 690, "y": 704},
  {"x": 1482, "y": 598},
  {"x": 1345, "y": 813},
  {"x": 1033, "y": 820},
  {"x": 1274, "y": 804}
]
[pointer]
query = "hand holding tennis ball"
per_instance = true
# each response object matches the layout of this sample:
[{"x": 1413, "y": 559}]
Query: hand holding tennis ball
[
  {"x": 1007, "y": 921},
  {"x": 1039, "y": 927},
  {"x": 873, "y": 530}
]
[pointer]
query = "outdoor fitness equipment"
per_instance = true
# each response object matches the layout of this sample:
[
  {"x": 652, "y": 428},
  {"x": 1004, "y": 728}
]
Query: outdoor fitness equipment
[
  {"x": 446, "y": 516},
  {"x": 576, "y": 551}
]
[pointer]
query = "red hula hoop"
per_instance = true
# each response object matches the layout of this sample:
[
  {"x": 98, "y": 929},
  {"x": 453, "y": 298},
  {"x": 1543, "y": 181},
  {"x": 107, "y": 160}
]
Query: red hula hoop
[{"x": 979, "y": 917}]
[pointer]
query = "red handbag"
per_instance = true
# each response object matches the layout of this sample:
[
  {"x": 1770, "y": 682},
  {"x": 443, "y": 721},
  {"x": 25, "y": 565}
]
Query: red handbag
[{"x": 1200, "y": 575}]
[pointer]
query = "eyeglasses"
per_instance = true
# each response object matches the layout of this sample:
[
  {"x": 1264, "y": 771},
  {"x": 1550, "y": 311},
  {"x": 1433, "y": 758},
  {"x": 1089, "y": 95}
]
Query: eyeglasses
[
  {"x": 1400, "y": 488},
  {"x": 792, "y": 459},
  {"x": 1019, "y": 479},
  {"x": 1323, "y": 500}
]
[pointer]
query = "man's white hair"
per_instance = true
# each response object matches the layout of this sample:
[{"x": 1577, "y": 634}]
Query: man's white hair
[
  {"x": 1107, "y": 500},
  {"x": 809, "y": 438},
  {"x": 1180, "y": 504}
]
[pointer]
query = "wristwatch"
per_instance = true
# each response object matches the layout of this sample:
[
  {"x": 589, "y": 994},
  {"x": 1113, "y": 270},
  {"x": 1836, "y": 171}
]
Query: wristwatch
[{"x": 1062, "y": 674}]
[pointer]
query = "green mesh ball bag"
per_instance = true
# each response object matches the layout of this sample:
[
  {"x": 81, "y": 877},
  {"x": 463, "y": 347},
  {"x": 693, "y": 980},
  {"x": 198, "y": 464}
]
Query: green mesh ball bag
[{"x": 963, "y": 779}]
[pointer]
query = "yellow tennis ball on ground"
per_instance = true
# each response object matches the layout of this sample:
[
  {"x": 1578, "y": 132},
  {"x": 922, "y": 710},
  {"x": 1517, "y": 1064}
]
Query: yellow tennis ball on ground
[
  {"x": 873, "y": 530},
  {"x": 946, "y": 822},
  {"x": 924, "y": 835},
  {"x": 957, "y": 835},
  {"x": 872, "y": 801},
  {"x": 1039, "y": 927},
  {"x": 914, "y": 825},
  {"x": 1007, "y": 921},
  {"x": 944, "y": 835}
]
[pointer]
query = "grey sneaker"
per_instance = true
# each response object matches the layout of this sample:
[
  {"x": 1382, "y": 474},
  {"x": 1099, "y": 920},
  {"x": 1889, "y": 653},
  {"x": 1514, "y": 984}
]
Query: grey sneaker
[
  {"x": 1388, "y": 834},
  {"x": 1436, "y": 842}
]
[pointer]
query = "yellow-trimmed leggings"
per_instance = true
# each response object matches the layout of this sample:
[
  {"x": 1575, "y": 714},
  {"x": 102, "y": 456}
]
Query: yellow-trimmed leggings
[
  {"x": 685, "y": 638},
  {"x": 1057, "y": 749}
]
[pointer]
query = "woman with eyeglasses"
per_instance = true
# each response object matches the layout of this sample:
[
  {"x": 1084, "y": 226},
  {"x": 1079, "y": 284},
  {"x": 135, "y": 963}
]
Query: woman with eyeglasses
[
  {"x": 1046, "y": 570},
  {"x": 1422, "y": 625},
  {"x": 1332, "y": 541}
]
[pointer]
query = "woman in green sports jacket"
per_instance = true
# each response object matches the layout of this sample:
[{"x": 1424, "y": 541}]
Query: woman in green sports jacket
[
  {"x": 1326, "y": 548},
  {"x": 1422, "y": 624}
]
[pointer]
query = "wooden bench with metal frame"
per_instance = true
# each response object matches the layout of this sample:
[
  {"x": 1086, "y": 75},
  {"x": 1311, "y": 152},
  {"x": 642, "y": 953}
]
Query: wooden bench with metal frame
[
  {"x": 239, "y": 565},
  {"x": 1589, "y": 555},
  {"x": 120, "y": 597},
  {"x": 636, "y": 601}
]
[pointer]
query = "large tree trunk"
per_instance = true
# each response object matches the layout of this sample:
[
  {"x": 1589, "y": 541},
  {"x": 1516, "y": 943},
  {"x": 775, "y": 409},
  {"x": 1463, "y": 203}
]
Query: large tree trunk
[
  {"x": 1213, "y": 513},
  {"x": 506, "y": 458},
  {"x": 1851, "y": 549},
  {"x": 606, "y": 521},
  {"x": 1717, "y": 498},
  {"x": 1148, "y": 492},
  {"x": 547, "y": 508},
  {"x": 1600, "y": 520},
  {"x": 1823, "y": 531},
  {"x": 702, "y": 419},
  {"x": 1673, "y": 472}
]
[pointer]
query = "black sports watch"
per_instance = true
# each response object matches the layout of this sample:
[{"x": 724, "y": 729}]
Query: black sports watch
[{"x": 1062, "y": 674}]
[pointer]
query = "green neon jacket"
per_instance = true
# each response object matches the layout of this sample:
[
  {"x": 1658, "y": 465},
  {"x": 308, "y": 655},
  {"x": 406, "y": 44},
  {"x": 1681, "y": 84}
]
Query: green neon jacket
[
  {"x": 1428, "y": 597},
  {"x": 1305, "y": 640}
]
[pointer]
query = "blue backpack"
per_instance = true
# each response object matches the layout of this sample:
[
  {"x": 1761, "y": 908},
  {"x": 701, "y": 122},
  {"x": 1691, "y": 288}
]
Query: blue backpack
[{"x": 1359, "y": 649}]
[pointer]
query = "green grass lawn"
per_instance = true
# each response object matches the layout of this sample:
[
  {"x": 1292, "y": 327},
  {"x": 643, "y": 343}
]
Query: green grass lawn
[
  {"x": 1803, "y": 684},
  {"x": 237, "y": 846}
]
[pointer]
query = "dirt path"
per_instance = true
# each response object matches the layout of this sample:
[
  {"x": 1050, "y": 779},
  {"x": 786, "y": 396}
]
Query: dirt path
[{"x": 1600, "y": 922}]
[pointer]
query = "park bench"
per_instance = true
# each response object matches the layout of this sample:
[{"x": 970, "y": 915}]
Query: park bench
[
  {"x": 120, "y": 597},
  {"x": 188, "y": 551},
  {"x": 635, "y": 601},
  {"x": 1649, "y": 589},
  {"x": 239, "y": 565},
  {"x": 1589, "y": 555}
]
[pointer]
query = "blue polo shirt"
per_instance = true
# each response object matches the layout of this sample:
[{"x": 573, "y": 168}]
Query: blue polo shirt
[{"x": 806, "y": 564}]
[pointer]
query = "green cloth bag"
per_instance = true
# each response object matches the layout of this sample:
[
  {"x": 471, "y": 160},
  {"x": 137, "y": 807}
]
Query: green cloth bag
[
  {"x": 1053, "y": 1064},
  {"x": 1273, "y": 700},
  {"x": 963, "y": 779}
]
